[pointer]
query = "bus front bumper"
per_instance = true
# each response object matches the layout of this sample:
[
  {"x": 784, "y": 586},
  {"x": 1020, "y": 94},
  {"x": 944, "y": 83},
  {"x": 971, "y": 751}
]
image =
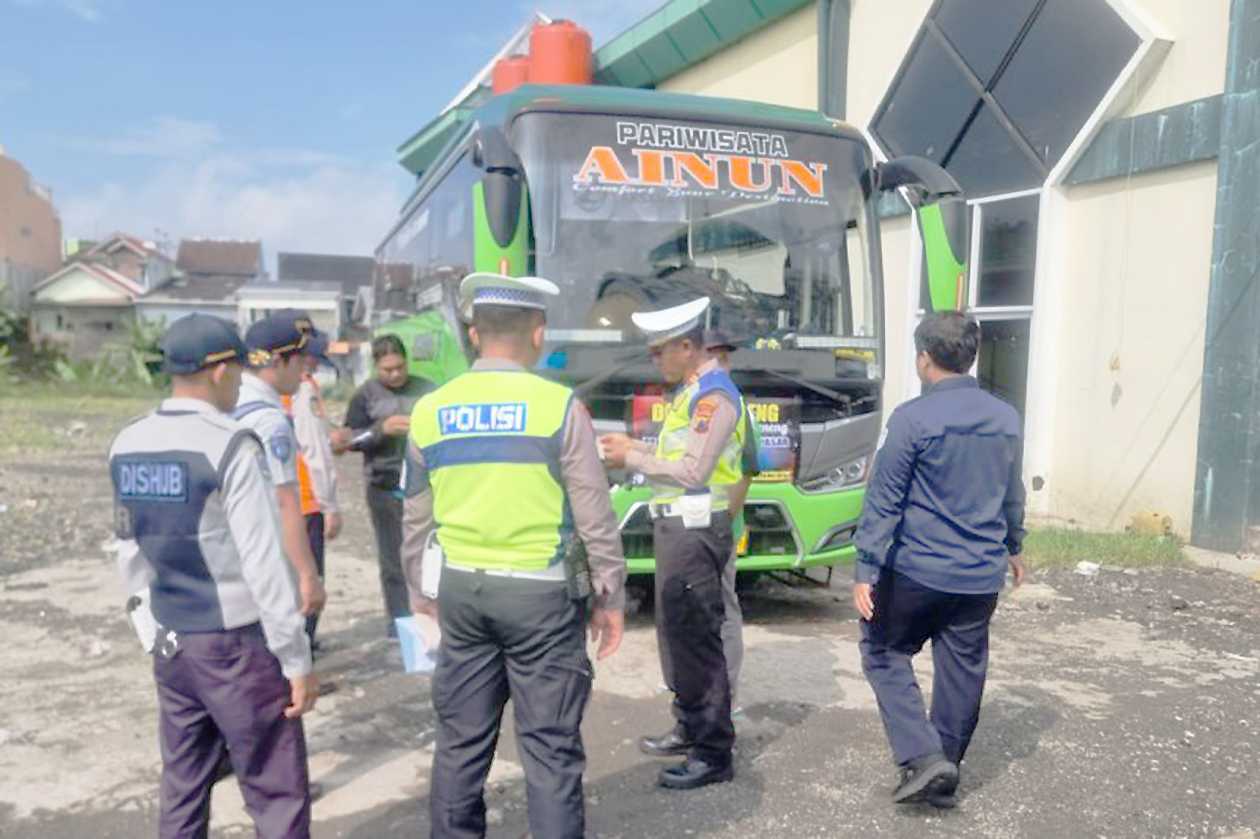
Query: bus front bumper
[{"x": 786, "y": 528}]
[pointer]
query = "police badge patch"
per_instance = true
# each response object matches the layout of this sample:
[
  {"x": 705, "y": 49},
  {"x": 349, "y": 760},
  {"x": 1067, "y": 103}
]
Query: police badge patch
[{"x": 281, "y": 446}]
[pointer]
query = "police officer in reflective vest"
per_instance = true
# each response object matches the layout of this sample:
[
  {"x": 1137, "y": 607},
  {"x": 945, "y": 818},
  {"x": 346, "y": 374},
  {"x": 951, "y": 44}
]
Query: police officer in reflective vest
[
  {"x": 503, "y": 463},
  {"x": 199, "y": 540},
  {"x": 277, "y": 345},
  {"x": 692, "y": 471}
]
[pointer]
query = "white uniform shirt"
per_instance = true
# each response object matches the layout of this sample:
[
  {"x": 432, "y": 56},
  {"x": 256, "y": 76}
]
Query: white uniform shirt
[{"x": 259, "y": 408}]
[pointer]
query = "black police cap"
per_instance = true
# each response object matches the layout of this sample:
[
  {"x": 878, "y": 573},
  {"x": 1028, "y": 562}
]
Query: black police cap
[
  {"x": 317, "y": 346},
  {"x": 283, "y": 331},
  {"x": 196, "y": 341}
]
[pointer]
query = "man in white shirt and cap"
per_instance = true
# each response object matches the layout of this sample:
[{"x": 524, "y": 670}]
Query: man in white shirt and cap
[
  {"x": 502, "y": 464},
  {"x": 692, "y": 471}
]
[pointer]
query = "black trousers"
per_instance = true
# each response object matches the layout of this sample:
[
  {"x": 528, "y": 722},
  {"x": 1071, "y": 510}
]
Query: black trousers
[
  {"x": 223, "y": 692},
  {"x": 502, "y": 638},
  {"x": 907, "y": 615},
  {"x": 386, "y": 511},
  {"x": 689, "y": 616},
  {"x": 315, "y": 536}
]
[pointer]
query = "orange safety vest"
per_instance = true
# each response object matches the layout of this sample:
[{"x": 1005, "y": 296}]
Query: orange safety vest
[{"x": 305, "y": 492}]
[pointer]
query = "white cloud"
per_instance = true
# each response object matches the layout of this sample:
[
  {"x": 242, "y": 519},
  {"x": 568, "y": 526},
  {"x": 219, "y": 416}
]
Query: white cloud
[
  {"x": 87, "y": 10},
  {"x": 165, "y": 137},
  {"x": 326, "y": 206}
]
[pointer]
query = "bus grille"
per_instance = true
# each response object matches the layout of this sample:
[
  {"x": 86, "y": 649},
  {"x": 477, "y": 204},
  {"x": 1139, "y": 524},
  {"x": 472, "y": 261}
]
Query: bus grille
[{"x": 769, "y": 532}]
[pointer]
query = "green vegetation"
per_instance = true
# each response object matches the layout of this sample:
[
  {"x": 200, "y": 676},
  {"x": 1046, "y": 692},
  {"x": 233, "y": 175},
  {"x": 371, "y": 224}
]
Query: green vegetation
[
  {"x": 1057, "y": 547},
  {"x": 20, "y": 356}
]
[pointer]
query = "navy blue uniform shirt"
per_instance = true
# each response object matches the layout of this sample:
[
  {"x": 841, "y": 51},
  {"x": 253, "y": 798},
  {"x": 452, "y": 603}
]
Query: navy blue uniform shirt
[{"x": 945, "y": 503}]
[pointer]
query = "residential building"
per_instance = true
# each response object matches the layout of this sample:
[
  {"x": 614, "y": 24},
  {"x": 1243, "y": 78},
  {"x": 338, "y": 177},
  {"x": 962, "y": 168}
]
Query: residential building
[
  {"x": 222, "y": 258},
  {"x": 322, "y": 300},
  {"x": 352, "y": 273},
  {"x": 30, "y": 233},
  {"x": 138, "y": 260},
  {"x": 207, "y": 294},
  {"x": 82, "y": 307}
]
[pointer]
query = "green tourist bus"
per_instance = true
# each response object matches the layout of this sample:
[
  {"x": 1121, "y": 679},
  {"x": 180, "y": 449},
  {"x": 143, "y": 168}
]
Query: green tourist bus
[{"x": 633, "y": 199}]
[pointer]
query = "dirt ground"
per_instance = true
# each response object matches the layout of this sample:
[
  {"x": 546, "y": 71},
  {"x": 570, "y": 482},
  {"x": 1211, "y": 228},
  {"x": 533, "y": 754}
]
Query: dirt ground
[{"x": 1120, "y": 705}]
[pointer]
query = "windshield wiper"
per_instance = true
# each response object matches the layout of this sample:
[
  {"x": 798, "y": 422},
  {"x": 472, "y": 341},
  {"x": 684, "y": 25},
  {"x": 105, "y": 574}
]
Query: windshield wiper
[
  {"x": 586, "y": 386},
  {"x": 822, "y": 390}
]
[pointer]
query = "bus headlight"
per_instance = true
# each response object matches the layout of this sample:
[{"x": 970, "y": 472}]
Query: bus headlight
[{"x": 846, "y": 475}]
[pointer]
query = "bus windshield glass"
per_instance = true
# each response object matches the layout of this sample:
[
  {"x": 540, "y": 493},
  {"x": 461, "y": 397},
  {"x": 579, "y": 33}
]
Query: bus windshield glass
[{"x": 634, "y": 213}]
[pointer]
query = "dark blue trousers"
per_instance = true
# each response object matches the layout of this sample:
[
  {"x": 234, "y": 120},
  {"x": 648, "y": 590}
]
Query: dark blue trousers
[
  {"x": 315, "y": 536},
  {"x": 224, "y": 691},
  {"x": 906, "y": 616}
]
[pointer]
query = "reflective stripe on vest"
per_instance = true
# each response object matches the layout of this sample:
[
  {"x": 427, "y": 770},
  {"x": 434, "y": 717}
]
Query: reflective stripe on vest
[
  {"x": 672, "y": 443},
  {"x": 491, "y": 444}
]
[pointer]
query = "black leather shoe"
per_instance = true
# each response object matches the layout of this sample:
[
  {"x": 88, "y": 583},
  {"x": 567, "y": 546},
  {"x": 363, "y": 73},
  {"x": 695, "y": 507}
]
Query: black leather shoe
[
  {"x": 692, "y": 773},
  {"x": 933, "y": 776},
  {"x": 943, "y": 794},
  {"x": 667, "y": 745}
]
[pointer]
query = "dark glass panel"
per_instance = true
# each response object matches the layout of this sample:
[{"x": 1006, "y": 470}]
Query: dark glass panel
[
  {"x": 929, "y": 105},
  {"x": 988, "y": 161},
  {"x": 983, "y": 30},
  {"x": 1008, "y": 252},
  {"x": 1071, "y": 56}
]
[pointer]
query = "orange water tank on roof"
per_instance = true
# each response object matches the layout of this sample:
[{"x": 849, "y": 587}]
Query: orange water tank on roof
[
  {"x": 509, "y": 73},
  {"x": 560, "y": 53}
]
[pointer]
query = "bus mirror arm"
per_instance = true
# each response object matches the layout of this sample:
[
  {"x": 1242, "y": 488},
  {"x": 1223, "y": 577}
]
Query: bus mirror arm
[
  {"x": 492, "y": 152},
  {"x": 926, "y": 182},
  {"x": 501, "y": 183},
  {"x": 941, "y": 207}
]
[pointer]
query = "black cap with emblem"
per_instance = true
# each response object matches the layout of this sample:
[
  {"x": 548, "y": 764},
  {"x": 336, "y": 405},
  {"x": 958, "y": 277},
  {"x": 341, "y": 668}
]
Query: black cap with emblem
[
  {"x": 197, "y": 341},
  {"x": 283, "y": 331}
]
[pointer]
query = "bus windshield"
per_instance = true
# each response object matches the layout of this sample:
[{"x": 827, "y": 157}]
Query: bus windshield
[{"x": 634, "y": 213}]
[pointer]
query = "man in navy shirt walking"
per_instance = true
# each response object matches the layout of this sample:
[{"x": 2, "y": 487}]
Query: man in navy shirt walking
[{"x": 942, "y": 522}]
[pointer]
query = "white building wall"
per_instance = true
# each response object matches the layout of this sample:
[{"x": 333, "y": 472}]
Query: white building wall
[{"x": 777, "y": 64}]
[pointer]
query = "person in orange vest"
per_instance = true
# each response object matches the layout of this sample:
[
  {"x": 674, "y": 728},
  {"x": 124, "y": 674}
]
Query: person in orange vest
[{"x": 317, "y": 474}]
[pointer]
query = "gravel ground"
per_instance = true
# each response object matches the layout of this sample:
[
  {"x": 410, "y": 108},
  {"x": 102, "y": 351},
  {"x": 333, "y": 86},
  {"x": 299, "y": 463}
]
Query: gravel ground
[{"x": 1120, "y": 705}]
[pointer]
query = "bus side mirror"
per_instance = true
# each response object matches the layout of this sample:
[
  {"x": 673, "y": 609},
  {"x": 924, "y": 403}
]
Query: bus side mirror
[
  {"x": 941, "y": 207},
  {"x": 501, "y": 185}
]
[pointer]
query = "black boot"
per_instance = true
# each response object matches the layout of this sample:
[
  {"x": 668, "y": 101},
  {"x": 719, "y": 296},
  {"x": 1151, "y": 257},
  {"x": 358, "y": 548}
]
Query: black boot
[
  {"x": 693, "y": 773},
  {"x": 667, "y": 745},
  {"x": 925, "y": 777}
]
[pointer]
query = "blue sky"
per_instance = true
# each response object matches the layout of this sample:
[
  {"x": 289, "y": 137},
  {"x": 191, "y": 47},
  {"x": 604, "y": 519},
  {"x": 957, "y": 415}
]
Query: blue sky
[{"x": 272, "y": 119}]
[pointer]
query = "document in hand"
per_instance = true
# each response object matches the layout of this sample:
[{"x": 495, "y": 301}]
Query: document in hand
[
  {"x": 418, "y": 637},
  {"x": 141, "y": 617}
]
